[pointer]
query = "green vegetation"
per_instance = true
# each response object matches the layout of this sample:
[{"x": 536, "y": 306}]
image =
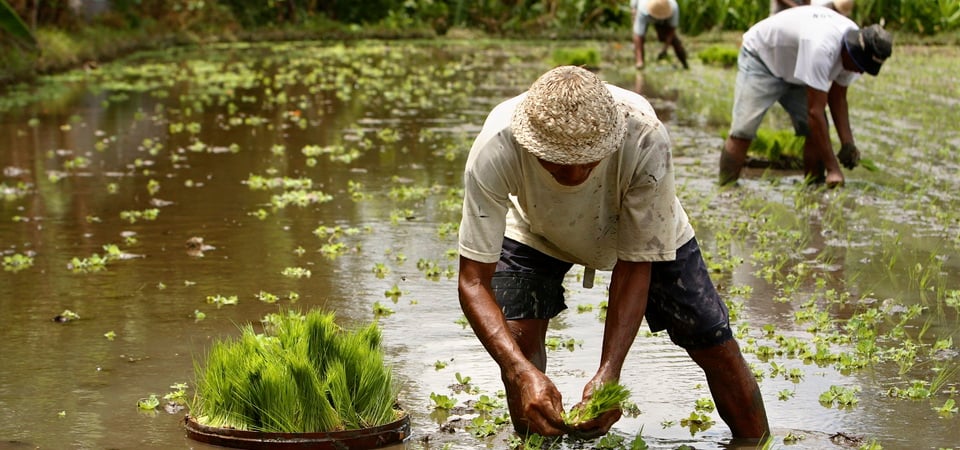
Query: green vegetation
[
  {"x": 304, "y": 373},
  {"x": 606, "y": 397},
  {"x": 67, "y": 39},
  {"x": 588, "y": 58},
  {"x": 11, "y": 23},
  {"x": 719, "y": 55},
  {"x": 782, "y": 148}
]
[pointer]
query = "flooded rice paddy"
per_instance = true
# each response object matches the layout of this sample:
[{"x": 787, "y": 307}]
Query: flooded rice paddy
[{"x": 152, "y": 205}]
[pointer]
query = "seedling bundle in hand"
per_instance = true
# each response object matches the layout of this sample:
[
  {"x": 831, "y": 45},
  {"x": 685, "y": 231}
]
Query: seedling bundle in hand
[{"x": 607, "y": 397}]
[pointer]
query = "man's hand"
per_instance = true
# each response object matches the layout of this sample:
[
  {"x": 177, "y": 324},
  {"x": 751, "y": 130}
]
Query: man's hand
[
  {"x": 600, "y": 425},
  {"x": 538, "y": 403},
  {"x": 849, "y": 156}
]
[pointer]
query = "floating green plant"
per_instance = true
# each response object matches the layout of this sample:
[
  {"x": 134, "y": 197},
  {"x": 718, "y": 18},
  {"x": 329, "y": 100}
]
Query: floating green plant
[
  {"x": 304, "y": 373},
  {"x": 17, "y": 262},
  {"x": 267, "y": 297},
  {"x": 379, "y": 309},
  {"x": 697, "y": 421},
  {"x": 148, "y": 403},
  {"x": 94, "y": 263},
  {"x": 221, "y": 300},
  {"x": 393, "y": 293},
  {"x": 948, "y": 408},
  {"x": 134, "y": 216},
  {"x": 840, "y": 396},
  {"x": 296, "y": 272},
  {"x": 441, "y": 401}
]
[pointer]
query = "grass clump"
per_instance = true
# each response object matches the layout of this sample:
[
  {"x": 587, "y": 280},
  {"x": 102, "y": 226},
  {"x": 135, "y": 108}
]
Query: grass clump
[
  {"x": 780, "y": 148},
  {"x": 588, "y": 58},
  {"x": 607, "y": 397},
  {"x": 304, "y": 373},
  {"x": 719, "y": 55}
]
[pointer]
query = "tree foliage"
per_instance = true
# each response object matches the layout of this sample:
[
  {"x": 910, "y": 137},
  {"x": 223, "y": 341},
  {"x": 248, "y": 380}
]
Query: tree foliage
[{"x": 493, "y": 16}]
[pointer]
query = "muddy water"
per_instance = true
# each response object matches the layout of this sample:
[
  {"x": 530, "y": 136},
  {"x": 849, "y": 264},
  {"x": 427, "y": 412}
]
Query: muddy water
[{"x": 380, "y": 131}]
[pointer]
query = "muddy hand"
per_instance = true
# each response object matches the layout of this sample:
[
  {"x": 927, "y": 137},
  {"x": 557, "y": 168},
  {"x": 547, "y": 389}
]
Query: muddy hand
[
  {"x": 596, "y": 427},
  {"x": 536, "y": 405},
  {"x": 849, "y": 156}
]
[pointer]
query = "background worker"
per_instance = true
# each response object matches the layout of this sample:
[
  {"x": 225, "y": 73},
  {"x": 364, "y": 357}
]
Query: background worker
[
  {"x": 804, "y": 58},
  {"x": 665, "y": 17}
]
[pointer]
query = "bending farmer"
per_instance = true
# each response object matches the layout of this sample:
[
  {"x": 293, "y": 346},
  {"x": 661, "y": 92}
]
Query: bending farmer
[
  {"x": 576, "y": 171},
  {"x": 804, "y": 58},
  {"x": 665, "y": 17}
]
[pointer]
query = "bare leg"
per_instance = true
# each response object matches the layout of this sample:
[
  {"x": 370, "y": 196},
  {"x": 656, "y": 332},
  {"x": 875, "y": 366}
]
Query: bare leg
[
  {"x": 680, "y": 51},
  {"x": 638, "y": 50},
  {"x": 812, "y": 167},
  {"x": 530, "y": 335},
  {"x": 732, "y": 159},
  {"x": 734, "y": 388}
]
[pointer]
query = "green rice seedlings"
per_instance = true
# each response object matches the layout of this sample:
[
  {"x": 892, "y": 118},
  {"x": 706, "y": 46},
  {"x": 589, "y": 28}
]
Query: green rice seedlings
[
  {"x": 606, "y": 397},
  {"x": 719, "y": 55},
  {"x": 302, "y": 374}
]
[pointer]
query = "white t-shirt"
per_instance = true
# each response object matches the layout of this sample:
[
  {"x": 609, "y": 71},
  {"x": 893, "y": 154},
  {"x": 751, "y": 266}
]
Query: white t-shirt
[
  {"x": 627, "y": 208},
  {"x": 802, "y": 45}
]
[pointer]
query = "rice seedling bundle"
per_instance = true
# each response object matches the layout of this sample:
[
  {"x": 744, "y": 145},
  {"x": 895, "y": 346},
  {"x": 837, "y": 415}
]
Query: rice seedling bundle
[
  {"x": 607, "y": 397},
  {"x": 304, "y": 373}
]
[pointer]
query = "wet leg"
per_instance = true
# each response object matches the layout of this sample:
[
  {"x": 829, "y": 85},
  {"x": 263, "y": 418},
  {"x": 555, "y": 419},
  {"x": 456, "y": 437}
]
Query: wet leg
[
  {"x": 680, "y": 51},
  {"x": 732, "y": 159},
  {"x": 734, "y": 388}
]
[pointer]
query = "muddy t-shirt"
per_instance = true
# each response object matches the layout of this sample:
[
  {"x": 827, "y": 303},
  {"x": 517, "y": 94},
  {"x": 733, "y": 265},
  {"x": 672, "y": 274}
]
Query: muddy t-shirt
[
  {"x": 626, "y": 209},
  {"x": 802, "y": 45}
]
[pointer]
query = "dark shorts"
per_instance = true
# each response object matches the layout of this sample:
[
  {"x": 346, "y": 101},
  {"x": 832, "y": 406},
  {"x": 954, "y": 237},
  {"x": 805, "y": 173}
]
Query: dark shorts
[{"x": 683, "y": 300}]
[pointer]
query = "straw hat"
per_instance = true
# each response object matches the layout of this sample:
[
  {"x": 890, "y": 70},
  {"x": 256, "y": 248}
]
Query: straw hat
[
  {"x": 569, "y": 117},
  {"x": 659, "y": 9},
  {"x": 844, "y": 7}
]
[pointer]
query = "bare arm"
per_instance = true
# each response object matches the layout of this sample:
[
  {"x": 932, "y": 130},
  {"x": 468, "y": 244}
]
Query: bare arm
[
  {"x": 817, "y": 149},
  {"x": 837, "y": 99},
  {"x": 539, "y": 402},
  {"x": 628, "y": 302},
  {"x": 629, "y": 290}
]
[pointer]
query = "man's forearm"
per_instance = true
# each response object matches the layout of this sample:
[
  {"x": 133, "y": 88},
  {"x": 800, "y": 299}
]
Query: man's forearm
[
  {"x": 485, "y": 317},
  {"x": 837, "y": 99},
  {"x": 628, "y": 303}
]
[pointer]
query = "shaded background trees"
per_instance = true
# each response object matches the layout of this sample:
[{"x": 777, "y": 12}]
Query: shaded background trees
[
  {"x": 497, "y": 16},
  {"x": 40, "y": 36}
]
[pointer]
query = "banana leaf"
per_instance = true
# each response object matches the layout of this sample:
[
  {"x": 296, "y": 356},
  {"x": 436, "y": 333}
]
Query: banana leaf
[{"x": 12, "y": 24}]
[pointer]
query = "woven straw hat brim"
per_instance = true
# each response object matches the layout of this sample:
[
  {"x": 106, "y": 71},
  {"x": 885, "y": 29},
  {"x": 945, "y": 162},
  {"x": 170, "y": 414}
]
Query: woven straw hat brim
[{"x": 569, "y": 123}]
